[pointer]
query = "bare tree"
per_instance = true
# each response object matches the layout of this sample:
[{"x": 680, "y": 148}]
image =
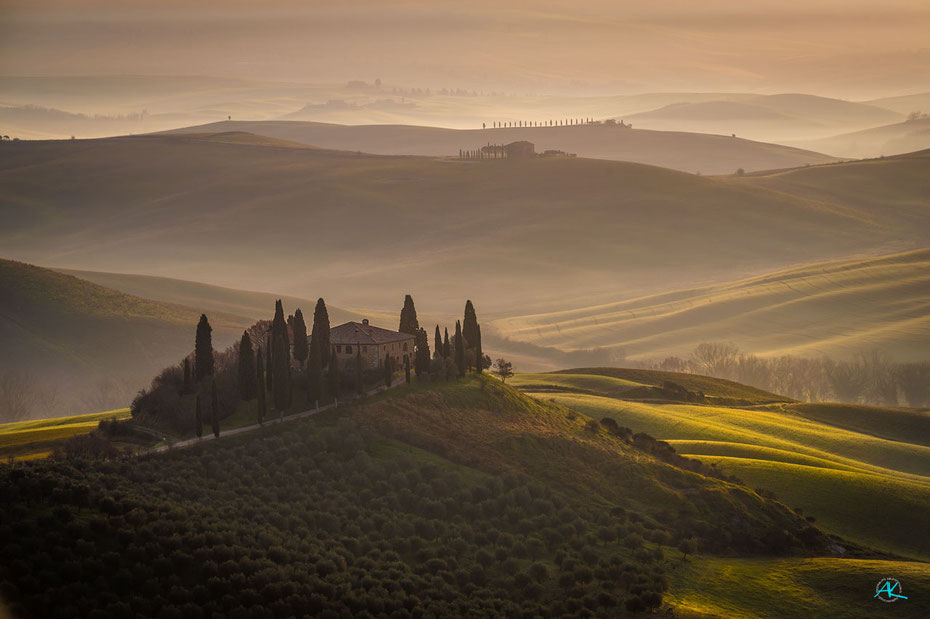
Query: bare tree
[
  {"x": 716, "y": 359},
  {"x": 914, "y": 380},
  {"x": 23, "y": 397}
]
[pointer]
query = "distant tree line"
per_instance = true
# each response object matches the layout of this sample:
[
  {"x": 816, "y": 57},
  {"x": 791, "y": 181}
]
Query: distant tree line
[{"x": 869, "y": 377}]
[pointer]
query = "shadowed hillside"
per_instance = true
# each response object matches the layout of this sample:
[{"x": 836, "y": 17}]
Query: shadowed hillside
[
  {"x": 71, "y": 334},
  {"x": 322, "y": 223},
  {"x": 688, "y": 152}
]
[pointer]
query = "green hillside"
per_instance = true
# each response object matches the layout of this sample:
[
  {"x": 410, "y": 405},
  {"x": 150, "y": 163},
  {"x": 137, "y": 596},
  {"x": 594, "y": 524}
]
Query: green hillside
[
  {"x": 26, "y": 440},
  {"x": 322, "y": 223},
  {"x": 462, "y": 497},
  {"x": 678, "y": 150},
  {"x": 71, "y": 333},
  {"x": 834, "y": 308},
  {"x": 822, "y": 458}
]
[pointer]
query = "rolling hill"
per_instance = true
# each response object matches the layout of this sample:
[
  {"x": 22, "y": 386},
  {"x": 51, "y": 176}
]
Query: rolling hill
[
  {"x": 833, "y": 308},
  {"x": 465, "y": 497},
  {"x": 209, "y": 298},
  {"x": 893, "y": 139},
  {"x": 772, "y": 118},
  {"x": 319, "y": 223},
  {"x": 688, "y": 152},
  {"x": 816, "y": 457},
  {"x": 71, "y": 334}
]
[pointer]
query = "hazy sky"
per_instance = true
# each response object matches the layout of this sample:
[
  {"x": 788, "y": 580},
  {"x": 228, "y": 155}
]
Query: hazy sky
[{"x": 849, "y": 48}]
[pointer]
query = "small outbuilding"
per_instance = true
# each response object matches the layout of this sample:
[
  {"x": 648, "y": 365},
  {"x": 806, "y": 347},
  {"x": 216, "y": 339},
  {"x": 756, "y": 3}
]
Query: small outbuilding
[{"x": 519, "y": 149}]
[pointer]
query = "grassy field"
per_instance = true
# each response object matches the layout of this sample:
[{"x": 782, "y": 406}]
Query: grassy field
[
  {"x": 834, "y": 308},
  {"x": 854, "y": 475},
  {"x": 778, "y": 588},
  {"x": 26, "y": 440}
]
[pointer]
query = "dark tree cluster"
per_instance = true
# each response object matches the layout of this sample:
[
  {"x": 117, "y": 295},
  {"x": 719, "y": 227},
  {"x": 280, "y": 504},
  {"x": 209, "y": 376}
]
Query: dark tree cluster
[{"x": 310, "y": 520}]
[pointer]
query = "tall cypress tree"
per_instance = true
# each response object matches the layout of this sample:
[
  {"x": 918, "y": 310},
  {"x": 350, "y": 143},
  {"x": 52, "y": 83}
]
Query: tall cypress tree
[
  {"x": 333, "y": 374},
  {"x": 186, "y": 385},
  {"x": 437, "y": 342},
  {"x": 280, "y": 360},
  {"x": 321, "y": 329},
  {"x": 198, "y": 418},
  {"x": 300, "y": 338},
  {"x": 268, "y": 365},
  {"x": 421, "y": 360},
  {"x": 479, "y": 354},
  {"x": 203, "y": 349},
  {"x": 314, "y": 373},
  {"x": 259, "y": 375},
  {"x": 388, "y": 370},
  {"x": 248, "y": 387},
  {"x": 216, "y": 414},
  {"x": 407, "y": 369},
  {"x": 408, "y": 317},
  {"x": 446, "y": 346},
  {"x": 459, "y": 349},
  {"x": 470, "y": 325}
]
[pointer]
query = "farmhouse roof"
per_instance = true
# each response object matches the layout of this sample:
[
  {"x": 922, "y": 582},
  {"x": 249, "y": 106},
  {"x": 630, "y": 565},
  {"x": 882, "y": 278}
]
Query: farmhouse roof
[{"x": 364, "y": 333}]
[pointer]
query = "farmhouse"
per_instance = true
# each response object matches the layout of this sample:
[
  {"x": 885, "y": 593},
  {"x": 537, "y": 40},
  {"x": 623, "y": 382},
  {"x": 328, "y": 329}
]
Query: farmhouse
[
  {"x": 373, "y": 343},
  {"x": 521, "y": 148}
]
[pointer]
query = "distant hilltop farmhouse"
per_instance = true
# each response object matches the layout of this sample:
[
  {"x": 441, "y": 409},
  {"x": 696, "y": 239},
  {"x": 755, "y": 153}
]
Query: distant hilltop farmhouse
[
  {"x": 372, "y": 343},
  {"x": 520, "y": 149}
]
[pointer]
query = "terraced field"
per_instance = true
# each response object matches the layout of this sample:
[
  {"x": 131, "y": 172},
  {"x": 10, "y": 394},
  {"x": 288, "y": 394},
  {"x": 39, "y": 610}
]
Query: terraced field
[{"x": 862, "y": 472}]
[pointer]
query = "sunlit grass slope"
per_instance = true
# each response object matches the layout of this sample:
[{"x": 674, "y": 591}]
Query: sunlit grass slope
[
  {"x": 834, "y": 308},
  {"x": 853, "y": 476},
  {"x": 780, "y": 588},
  {"x": 25, "y": 440}
]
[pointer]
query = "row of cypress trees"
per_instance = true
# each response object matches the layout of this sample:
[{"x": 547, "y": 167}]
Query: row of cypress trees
[{"x": 270, "y": 370}]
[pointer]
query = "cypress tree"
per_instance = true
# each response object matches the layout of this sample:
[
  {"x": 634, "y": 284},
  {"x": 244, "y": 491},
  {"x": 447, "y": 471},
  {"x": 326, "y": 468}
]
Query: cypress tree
[
  {"x": 333, "y": 375},
  {"x": 421, "y": 360},
  {"x": 260, "y": 371},
  {"x": 216, "y": 414},
  {"x": 470, "y": 326},
  {"x": 407, "y": 369},
  {"x": 388, "y": 370},
  {"x": 320, "y": 330},
  {"x": 358, "y": 369},
  {"x": 446, "y": 346},
  {"x": 186, "y": 387},
  {"x": 198, "y": 418},
  {"x": 459, "y": 350},
  {"x": 437, "y": 342},
  {"x": 314, "y": 374},
  {"x": 408, "y": 317},
  {"x": 248, "y": 387},
  {"x": 280, "y": 360},
  {"x": 300, "y": 338},
  {"x": 268, "y": 366},
  {"x": 203, "y": 349},
  {"x": 479, "y": 354}
]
